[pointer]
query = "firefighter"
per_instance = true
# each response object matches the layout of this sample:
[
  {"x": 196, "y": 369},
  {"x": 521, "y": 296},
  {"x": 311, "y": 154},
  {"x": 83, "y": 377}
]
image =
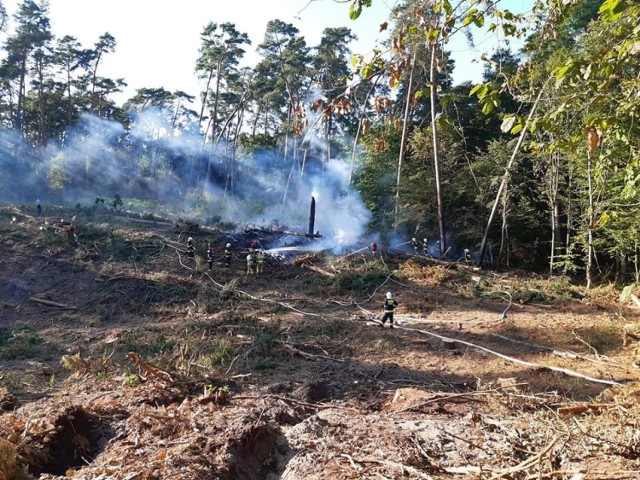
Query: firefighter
[
  {"x": 374, "y": 248},
  {"x": 191, "y": 249},
  {"x": 251, "y": 265},
  {"x": 261, "y": 258},
  {"x": 415, "y": 244},
  {"x": 425, "y": 247},
  {"x": 252, "y": 248},
  {"x": 467, "y": 256},
  {"x": 210, "y": 255},
  {"x": 227, "y": 254},
  {"x": 390, "y": 304},
  {"x": 38, "y": 207}
]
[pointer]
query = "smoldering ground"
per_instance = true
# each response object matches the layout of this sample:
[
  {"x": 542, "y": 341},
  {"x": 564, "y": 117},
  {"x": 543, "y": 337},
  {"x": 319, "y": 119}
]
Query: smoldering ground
[{"x": 153, "y": 159}]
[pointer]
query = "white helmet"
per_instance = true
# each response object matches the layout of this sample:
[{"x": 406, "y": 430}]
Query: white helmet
[
  {"x": 413, "y": 239},
  {"x": 228, "y": 245},
  {"x": 424, "y": 240},
  {"x": 190, "y": 239},
  {"x": 389, "y": 296},
  {"x": 466, "y": 250}
]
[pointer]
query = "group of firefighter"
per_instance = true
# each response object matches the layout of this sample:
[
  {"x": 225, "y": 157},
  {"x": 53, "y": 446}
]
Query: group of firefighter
[
  {"x": 256, "y": 258},
  {"x": 422, "y": 248}
]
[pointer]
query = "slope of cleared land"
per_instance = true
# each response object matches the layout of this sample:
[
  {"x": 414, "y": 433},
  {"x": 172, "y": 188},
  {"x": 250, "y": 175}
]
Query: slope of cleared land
[{"x": 121, "y": 358}]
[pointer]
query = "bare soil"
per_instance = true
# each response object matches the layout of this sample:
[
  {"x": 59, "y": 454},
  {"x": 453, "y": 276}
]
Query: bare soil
[{"x": 122, "y": 358}]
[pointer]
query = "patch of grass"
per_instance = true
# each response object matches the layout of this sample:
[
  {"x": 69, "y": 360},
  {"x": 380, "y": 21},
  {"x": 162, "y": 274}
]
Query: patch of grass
[
  {"x": 363, "y": 283},
  {"x": 227, "y": 291},
  {"x": 18, "y": 344},
  {"x": 218, "y": 354},
  {"x": 264, "y": 364},
  {"x": 147, "y": 343}
]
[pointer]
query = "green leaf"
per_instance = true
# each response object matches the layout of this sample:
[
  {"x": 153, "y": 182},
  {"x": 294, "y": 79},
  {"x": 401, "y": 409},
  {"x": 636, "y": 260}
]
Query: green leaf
[
  {"x": 611, "y": 9},
  {"x": 507, "y": 123},
  {"x": 475, "y": 89},
  {"x": 517, "y": 128},
  {"x": 355, "y": 9}
]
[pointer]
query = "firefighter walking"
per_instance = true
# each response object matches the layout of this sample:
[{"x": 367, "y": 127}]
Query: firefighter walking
[{"x": 390, "y": 304}]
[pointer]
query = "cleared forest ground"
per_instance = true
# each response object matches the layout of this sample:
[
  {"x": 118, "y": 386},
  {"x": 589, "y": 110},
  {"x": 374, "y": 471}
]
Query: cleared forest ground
[{"x": 123, "y": 359}]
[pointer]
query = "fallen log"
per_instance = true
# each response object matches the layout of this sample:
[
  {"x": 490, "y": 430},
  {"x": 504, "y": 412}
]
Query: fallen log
[
  {"x": 517, "y": 361},
  {"x": 319, "y": 270},
  {"x": 52, "y": 304}
]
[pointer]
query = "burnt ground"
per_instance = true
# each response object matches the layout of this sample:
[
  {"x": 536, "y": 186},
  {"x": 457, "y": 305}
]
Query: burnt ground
[{"x": 120, "y": 358}]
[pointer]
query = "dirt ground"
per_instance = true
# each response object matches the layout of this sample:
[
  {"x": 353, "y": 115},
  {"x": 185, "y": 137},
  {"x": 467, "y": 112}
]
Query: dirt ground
[{"x": 122, "y": 358}]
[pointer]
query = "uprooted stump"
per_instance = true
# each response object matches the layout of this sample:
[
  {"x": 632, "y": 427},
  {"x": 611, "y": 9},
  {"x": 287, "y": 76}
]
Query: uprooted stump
[
  {"x": 8, "y": 466},
  {"x": 71, "y": 441},
  {"x": 249, "y": 454}
]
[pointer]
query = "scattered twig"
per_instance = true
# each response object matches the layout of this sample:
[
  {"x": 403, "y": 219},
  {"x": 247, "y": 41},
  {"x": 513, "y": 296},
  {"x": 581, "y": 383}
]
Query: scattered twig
[
  {"x": 308, "y": 356},
  {"x": 52, "y": 304},
  {"x": 526, "y": 463}
]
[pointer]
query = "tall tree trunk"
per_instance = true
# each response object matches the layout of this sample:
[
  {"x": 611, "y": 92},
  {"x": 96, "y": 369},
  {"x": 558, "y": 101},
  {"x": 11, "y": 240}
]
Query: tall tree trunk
[
  {"x": 554, "y": 179},
  {"x": 433, "y": 91},
  {"x": 205, "y": 95},
  {"x": 505, "y": 177},
  {"x": 590, "y": 219},
  {"x": 403, "y": 142},
  {"x": 504, "y": 230}
]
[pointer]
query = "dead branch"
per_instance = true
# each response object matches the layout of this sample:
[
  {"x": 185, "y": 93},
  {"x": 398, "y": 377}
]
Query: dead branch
[
  {"x": 584, "y": 407},
  {"x": 319, "y": 270},
  {"x": 308, "y": 356},
  {"x": 293, "y": 401},
  {"x": 565, "y": 371},
  {"x": 145, "y": 368},
  {"x": 587, "y": 344},
  {"x": 52, "y": 304},
  {"x": 527, "y": 463},
  {"x": 414, "y": 472}
]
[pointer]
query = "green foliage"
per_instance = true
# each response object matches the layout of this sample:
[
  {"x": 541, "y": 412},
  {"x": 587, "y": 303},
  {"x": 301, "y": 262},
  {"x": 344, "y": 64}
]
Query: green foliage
[
  {"x": 19, "y": 344},
  {"x": 219, "y": 353},
  {"x": 131, "y": 381}
]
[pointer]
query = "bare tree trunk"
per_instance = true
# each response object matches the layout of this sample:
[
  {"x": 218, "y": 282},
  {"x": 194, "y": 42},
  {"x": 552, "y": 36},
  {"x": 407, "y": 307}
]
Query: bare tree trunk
[
  {"x": 504, "y": 233},
  {"x": 403, "y": 143},
  {"x": 205, "y": 94},
  {"x": 635, "y": 261},
  {"x": 590, "y": 218},
  {"x": 505, "y": 177},
  {"x": 433, "y": 90},
  {"x": 353, "y": 152}
]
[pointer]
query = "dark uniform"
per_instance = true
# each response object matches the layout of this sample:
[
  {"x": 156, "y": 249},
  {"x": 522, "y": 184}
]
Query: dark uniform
[
  {"x": 425, "y": 247},
  {"x": 415, "y": 244},
  {"x": 467, "y": 256},
  {"x": 373, "y": 247},
  {"x": 390, "y": 304},
  {"x": 227, "y": 255},
  {"x": 191, "y": 249},
  {"x": 210, "y": 256}
]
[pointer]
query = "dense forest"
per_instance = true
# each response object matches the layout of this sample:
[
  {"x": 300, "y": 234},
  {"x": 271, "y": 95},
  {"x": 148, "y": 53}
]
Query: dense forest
[{"x": 536, "y": 167}]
